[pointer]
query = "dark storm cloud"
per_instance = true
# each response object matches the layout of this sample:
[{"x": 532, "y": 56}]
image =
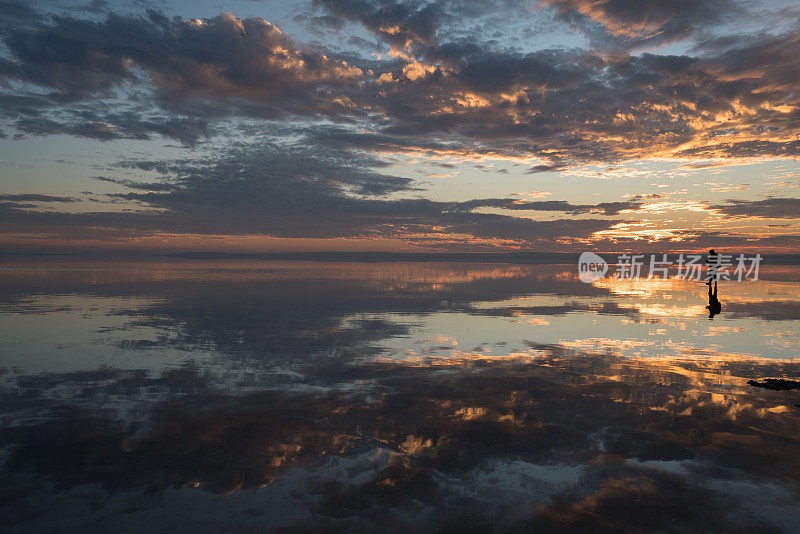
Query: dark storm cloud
[
  {"x": 637, "y": 23},
  {"x": 17, "y": 12},
  {"x": 563, "y": 105},
  {"x": 292, "y": 190},
  {"x": 33, "y": 197},
  {"x": 326, "y": 20},
  {"x": 223, "y": 57},
  {"x": 268, "y": 168},
  {"x": 113, "y": 126},
  {"x": 25, "y": 201},
  {"x": 397, "y": 23},
  {"x": 545, "y": 168},
  {"x": 254, "y": 211},
  {"x": 413, "y": 26},
  {"x": 134, "y": 184},
  {"x": 770, "y": 208},
  {"x": 360, "y": 42}
]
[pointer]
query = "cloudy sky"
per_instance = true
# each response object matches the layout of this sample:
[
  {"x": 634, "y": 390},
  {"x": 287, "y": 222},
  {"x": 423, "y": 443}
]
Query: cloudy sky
[{"x": 443, "y": 125}]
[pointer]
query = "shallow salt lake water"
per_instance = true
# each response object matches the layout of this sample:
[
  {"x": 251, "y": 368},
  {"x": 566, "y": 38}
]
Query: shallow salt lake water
[{"x": 269, "y": 395}]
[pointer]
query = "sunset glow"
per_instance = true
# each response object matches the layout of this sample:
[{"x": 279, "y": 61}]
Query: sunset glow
[{"x": 339, "y": 125}]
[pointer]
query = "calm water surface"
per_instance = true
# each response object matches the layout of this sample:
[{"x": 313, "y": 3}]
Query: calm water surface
[{"x": 282, "y": 396}]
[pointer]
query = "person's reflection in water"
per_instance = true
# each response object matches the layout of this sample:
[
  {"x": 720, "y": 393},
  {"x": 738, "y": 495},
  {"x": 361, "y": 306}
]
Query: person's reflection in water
[{"x": 714, "y": 306}]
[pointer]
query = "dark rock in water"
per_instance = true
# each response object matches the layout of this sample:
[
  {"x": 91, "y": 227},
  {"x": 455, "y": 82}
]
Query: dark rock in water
[{"x": 776, "y": 384}]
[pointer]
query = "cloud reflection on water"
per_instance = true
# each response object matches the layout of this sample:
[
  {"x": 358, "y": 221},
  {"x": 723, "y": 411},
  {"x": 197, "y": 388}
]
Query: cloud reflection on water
[{"x": 414, "y": 395}]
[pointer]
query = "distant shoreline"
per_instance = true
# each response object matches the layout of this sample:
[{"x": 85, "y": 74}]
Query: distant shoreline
[{"x": 381, "y": 257}]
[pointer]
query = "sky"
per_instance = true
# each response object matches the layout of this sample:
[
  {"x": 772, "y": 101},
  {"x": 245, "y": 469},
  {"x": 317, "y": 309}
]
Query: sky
[{"x": 445, "y": 125}]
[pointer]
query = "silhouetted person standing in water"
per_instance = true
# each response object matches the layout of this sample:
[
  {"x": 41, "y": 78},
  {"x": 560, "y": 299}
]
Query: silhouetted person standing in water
[{"x": 714, "y": 306}]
